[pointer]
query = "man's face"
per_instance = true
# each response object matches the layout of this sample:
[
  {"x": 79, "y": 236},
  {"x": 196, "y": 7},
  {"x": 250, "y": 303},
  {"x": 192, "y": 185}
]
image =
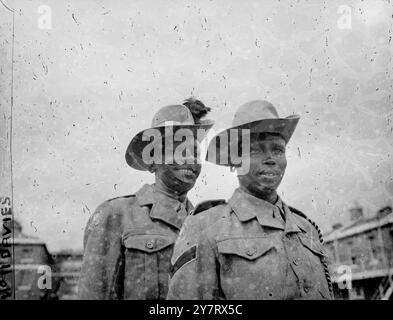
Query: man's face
[
  {"x": 267, "y": 164},
  {"x": 181, "y": 169}
]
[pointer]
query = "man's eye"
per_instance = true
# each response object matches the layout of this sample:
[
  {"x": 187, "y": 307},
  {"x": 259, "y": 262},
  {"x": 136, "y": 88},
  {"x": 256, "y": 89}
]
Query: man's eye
[{"x": 278, "y": 151}]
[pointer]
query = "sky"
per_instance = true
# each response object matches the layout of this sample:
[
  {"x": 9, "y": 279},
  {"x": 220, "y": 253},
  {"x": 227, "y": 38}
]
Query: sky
[{"x": 89, "y": 75}]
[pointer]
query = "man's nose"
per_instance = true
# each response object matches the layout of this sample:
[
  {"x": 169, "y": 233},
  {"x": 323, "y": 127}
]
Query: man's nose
[
  {"x": 268, "y": 160},
  {"x": 188, "y": 156},
  {"x": 192, "y": 159}
]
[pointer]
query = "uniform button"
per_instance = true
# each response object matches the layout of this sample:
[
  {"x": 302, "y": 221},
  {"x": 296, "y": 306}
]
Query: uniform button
[
  {"x": 226, "y": 267},
  {"x": 251, "y": 251},
  {"x": 150, "y": 244},
  {"x": 295, "y": 262}
]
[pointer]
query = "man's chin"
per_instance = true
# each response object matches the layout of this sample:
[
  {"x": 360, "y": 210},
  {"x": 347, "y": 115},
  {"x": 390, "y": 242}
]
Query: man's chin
[
  {"x": 185, "y": 184},
  {"x": 265, "y": 189},
  {"x": 188, "y": 184},
  {"x": 268, "y": 185}
]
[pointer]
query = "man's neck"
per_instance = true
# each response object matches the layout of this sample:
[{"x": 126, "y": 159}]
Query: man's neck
[
  {"x": 271, "y": 197},
  {"x": 160, "y": 186}
]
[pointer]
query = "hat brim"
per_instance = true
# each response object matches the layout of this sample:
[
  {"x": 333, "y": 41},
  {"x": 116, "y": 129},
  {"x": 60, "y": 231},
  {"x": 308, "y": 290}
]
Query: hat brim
[
  {"x": 219, "y": 151},
  {"x": 137, "y": 144}
]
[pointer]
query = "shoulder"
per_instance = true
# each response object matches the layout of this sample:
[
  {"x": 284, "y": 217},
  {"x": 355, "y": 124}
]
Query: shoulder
[
  {"x": 111, "y": 209},
  {"x": 298, "y": 212},
  {"x": 205, "y": 205},
  {"x": 205, "y": 214},
  {"x": 121, "y": 200},
  {"x": 309, "y": 224},
  {"x": 196, "y": 224},
  {"x": 117, "y": 203}
]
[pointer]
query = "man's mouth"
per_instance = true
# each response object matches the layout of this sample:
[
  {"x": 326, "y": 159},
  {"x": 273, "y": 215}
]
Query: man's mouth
[
  {"x": 186, "y": 172},
  {"x": 268, "y": 174}
]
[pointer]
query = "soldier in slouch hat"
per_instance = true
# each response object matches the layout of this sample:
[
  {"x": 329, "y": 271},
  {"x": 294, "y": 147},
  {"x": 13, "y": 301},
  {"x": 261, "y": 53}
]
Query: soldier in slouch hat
[
  {"x": 128, "y": 241},
  {"x": 254, "y": 246}
]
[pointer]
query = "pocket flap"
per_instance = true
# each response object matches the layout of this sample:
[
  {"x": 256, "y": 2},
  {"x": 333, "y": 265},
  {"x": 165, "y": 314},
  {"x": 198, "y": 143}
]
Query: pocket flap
[
  {"x": 248, "y": 248},
  {"x": 148, "y": 242},
  {"x": 312, "y": 244}
]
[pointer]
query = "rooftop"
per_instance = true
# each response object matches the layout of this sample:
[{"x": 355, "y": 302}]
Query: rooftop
[{"x": 361, "y": 224}]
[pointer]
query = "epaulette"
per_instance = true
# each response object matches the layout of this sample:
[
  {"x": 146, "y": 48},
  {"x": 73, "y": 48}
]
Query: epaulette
[
  {"x": 323, "y": 260},
  {"x": 294, "y": 210},
  {"x": 127, "y": 196},
  {"x": 298, "y": 212},
  {"x": 204, "y": 205}
]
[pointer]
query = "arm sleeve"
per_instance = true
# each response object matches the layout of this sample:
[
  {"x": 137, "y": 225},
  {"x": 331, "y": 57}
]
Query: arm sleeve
[
  {"x": 103, "y": 258},
  {"x": 195, "y": 270}
]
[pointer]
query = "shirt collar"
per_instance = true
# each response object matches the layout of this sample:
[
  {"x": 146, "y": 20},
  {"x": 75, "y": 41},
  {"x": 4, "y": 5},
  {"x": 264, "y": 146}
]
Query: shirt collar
[
  {"x": 291, "y": 223},
  {"x": 247, "y": 207},
  {"x": 164, "y": 208}
]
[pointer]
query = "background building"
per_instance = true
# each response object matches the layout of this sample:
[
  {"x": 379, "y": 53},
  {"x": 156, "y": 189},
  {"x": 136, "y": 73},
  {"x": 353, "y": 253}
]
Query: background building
[
  {"x": 68, "y": 264},
  {"x": 34, "y": 268},
  {"x": 361, "y": 255},
  {"x": 40, "y": 275}
]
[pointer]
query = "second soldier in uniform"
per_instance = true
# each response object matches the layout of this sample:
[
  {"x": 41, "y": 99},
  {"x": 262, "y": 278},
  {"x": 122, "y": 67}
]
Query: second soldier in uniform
[
  {"x": 254, "y": 246},
  {"x": 129, "y": 240}
]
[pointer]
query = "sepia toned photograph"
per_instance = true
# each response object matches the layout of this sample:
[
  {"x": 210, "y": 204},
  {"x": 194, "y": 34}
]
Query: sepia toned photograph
[{"x": 196, "y": 150}]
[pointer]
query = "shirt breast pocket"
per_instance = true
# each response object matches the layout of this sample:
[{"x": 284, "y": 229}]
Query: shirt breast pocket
[
  {"x": 245, "y": 255},
  {"x": 247, "y": 248},
  {"x": 249, "y": 267},
  {"x": 313, "y": 245},
  {"x": 318, "y": 263},
  {"x": 147, "y": 261}
]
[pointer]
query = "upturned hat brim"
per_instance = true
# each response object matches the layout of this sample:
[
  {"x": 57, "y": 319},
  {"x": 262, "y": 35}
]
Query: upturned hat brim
[
  {"x": 136, "y": 146},
  {"x": 219, "y": 145}
]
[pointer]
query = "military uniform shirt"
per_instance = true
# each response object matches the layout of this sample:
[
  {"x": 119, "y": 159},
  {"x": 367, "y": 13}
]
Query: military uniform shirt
[
  {"x": 128, "y": 245},
  {"x": 245, "y": 250}
]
